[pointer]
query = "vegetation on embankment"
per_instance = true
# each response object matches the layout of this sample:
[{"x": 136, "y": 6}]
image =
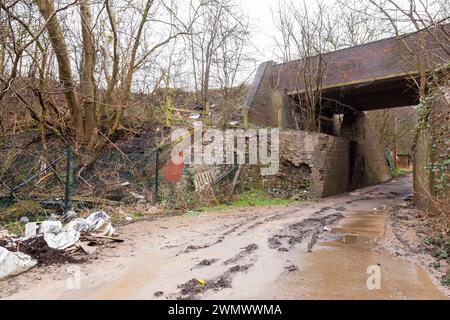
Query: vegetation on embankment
[{"x": 251, "y": 198}]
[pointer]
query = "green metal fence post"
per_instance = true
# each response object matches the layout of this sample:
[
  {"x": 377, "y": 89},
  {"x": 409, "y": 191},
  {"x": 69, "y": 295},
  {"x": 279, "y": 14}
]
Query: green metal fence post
[
  {"x": 156, "y": 198},
  {"x": 67, "y": 204}
]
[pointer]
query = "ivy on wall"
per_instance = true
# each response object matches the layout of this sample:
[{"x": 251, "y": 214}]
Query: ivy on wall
[{"x": 439, "y": 142}]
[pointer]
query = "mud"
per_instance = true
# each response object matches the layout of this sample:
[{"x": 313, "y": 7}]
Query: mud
[
  {"x": 158, "y": 294},
  {"x": 258, "y": 267},
  {"x": 38, "y": 249},
  {"x": 292, "y": 268},
  {"x": 339, "y": 267},
  {"x": 192, "y": 288},
  {"x": 244, "y": 252},
  {"x": 207, "y": 263},
  {"x": 312, "y": 228},
  {"x": 201, "y": 247},
  {"x": 419, "y": 238},
  {"x": 240, "y": 268}
]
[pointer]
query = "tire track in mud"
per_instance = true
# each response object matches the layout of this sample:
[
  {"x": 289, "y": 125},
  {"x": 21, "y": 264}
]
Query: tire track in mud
[
  {"x": 233, "y": 228},
  {"x": 195, "y": 287},
  {"x": 244, "y": 253},
  {"x": 249, "y": 224},
  {"x": 296, "y": 233}
]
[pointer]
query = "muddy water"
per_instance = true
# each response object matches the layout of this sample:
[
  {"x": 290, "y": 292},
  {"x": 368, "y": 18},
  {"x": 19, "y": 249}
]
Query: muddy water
[{"x": 338, "y": 269}]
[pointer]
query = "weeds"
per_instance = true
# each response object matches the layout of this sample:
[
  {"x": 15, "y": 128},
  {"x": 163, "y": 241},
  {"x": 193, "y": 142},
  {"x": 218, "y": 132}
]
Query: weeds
[
  {"x": 441, "y": 248},
  {"x": 252, "y": 198}
]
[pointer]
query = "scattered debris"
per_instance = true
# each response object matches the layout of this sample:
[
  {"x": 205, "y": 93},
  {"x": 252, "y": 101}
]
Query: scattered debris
[
  {"x": 70, "y": 215},
  {"x": 194, "y": 287},
  {"x": 88, "y": 249},
  {"x": 38, "y": 249},
  {"x": 245, "y": 252},
  {"x": 312, "y": 227},
  {"x": 54, "y": 204},
  {"x": 31, "y": 230},
  {"x": 274, "y": 243},
  {"x": 129, "y": 219},
  {"x": 240, "y": 268},
  {"x": 158, "y": 294},
  {"x": 195, "y": 248},
  {"x": 63, "y": 240},
  {"x": 292, "y": 268},
  {"x": 48, "y": 242},
  {"x": 14, "y": 263},
  {"x": 24, "y": 220},
  {"x": 50, "y": 227},
  {"x": 101, "y": 239},
  {"x": 100, "y": 224},
  {"x": 207, "y": 263}
]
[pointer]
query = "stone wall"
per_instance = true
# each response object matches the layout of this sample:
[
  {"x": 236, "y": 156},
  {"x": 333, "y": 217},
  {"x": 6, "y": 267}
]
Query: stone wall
[
  {"x": 369, "y": 166},
  {"x": 432, "y": 155},
  {"x": 311, "y": 165}
]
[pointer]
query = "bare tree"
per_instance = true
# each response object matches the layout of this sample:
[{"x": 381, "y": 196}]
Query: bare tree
[
  {"x": 414, "y": 16},
  {"x": 306, "y": 34},
  {"x": 220, "y": 25},
  {"x": 99, "y": 49}
]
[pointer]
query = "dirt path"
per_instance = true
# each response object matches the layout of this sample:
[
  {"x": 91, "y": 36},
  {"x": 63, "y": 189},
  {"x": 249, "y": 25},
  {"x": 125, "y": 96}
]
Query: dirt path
[{"x": 254, "y": 253}]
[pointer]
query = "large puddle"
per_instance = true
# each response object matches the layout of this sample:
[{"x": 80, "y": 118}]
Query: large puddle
[{"x": 338, "y": 268}]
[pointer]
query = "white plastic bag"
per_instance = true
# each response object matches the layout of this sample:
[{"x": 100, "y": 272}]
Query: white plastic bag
[
  {"x": 51, "y": 227},
  {"x": 62, "y": 240},
  {"x": 13, "y": 263},
  {"x": 100, "y": 224},
  {"x": 79, "y": 225}
]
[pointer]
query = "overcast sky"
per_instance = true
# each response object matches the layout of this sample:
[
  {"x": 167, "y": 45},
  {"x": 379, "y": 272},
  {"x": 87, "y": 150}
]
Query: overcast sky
[{"x": 264, "y": 29}]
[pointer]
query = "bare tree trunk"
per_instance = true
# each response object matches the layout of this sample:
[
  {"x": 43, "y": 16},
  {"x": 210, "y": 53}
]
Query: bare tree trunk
[
  {"x": 87, "y": 77},
  {"x": 131, "y": 68},
  {"x": 112, "y": 82},
  {"x": 47, "y": 8}
]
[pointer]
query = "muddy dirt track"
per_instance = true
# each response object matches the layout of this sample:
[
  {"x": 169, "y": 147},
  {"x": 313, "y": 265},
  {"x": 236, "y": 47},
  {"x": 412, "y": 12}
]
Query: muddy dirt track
[{"x": 320, "y": 250}]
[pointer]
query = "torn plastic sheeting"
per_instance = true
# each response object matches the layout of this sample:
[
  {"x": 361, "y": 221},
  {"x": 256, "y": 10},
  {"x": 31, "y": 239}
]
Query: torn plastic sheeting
[
  {"x": 80, "y": 225},
  {"x": 54, "y": 227},
  {"x": 100, "y": 224},
  {"x": 57, "y": 237},
  {"x": 62, "y": 240},
  {"x": 14, "y": 263}
]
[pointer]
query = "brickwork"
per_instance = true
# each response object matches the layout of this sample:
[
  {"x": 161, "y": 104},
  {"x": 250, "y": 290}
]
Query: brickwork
[{"x": 372, "y": 69}]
